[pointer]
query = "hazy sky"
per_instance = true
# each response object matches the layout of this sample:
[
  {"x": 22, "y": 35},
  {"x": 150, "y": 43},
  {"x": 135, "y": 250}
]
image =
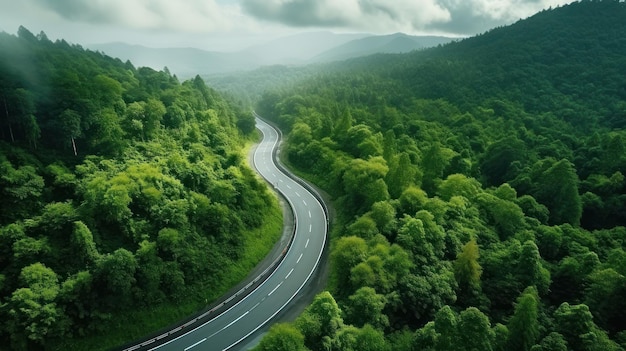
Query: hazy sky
[{"x": 234, "y": 24}]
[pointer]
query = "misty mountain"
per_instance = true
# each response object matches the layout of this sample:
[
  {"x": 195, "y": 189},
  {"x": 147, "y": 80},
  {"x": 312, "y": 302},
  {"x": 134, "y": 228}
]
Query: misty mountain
[
  {"x": 392, "y": 44},
  {"x": 184, "y": 62},
  {"x": 300, "y": 48},
  {"x": 291, "y": 50}
]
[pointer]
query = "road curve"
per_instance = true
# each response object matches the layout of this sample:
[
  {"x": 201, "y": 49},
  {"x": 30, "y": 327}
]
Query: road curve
[{"x": 224, "y": 330}]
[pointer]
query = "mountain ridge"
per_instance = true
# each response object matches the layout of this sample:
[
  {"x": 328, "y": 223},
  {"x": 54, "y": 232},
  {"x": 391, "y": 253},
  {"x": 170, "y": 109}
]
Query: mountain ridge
[
  {"x": 391, "y": 43},
  {"x": 300, "y": 49}
]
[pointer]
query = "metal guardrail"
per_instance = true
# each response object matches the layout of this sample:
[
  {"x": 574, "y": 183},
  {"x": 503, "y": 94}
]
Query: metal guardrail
[{"x": 299, "y": 180}]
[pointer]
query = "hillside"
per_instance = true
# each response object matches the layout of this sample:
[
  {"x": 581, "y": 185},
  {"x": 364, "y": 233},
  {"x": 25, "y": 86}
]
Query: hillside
[
  {"x": 125, "y": 200},
  {"x": 480, "y": 185},
  {"x": 388, "y": 44}
]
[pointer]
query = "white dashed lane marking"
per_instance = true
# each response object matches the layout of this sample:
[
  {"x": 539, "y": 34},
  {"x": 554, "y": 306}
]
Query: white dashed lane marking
[
  {"x": 277, "y": 286},
  {"x": 196, "y": 344}
]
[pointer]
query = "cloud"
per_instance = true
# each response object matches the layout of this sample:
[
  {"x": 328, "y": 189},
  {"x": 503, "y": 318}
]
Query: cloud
[
  {"x": 475, "y": 16},
  {"x": 182, "y": 15},
  {"x": 185, "y": 21},
  {"x": 366, "y": 15},
  {"x": 451, "y": 16}
]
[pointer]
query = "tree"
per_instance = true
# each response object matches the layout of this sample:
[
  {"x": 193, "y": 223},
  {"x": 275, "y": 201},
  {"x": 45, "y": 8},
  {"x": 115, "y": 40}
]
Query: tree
[
  {"x": 116, "y": 273},
  {"x": 348, "y": 252},
  {"x": 501, "y": 335},
  {"x": 575, "y": 323},
  {"x": 78, "y": 301},
  {"x": 370, "y": 339},
  {"x": 402, "y": 174},
  {"x": 154, "y": 112},
  {"x": 24, "y": 116},
  {"x": 557, "y": 188},
  {"x": 423, "y": 237},
  {"x": 320, "y": 321},
  {"x": 458, "y": 185},
  {"x": 421, "y": 296},
  {"x": 475, "y": 333},
  {"x": 351, "y": 338},
  {"x": 434, "y": 161},
  {"x": 33, "y": 313},
  {"x": 533, "y": 209},
  {"x": 21, "y": 191},
  {"x": 446, "y": 325},
  {"x": 606, "y": 297},
  {"x": 363, "y": 182},
  {"x": 507, "y": 217},
  {"x": 246, "y": 123},
  {"x": 467, "y": 271},
  {"x": 364, "y": 227},
  {"x": 69, "y": 125},
  {"x": 149, "y": 273},
  {"x": 384, "y": 214},
  {"x": 412, "y": 200},
  {"x": 498, "y": 158},
  {"x": 282, "y": 337},
  {"x": 365, "y": 306},
  {"x": 107, "y": 136},
  {"x": 343, "y": 124},
  {"x": 425, "y": 338},
  {"x": 82, "y": 241},
  {"x": 524, "y": 325},
  {"x": 531, "y": 270},
  {"x": 552, "y": 342}
]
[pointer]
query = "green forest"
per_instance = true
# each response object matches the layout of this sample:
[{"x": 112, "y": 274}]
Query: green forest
[
  {"x": 479, "y": 189},
  {"x": 120, "y": 187}
]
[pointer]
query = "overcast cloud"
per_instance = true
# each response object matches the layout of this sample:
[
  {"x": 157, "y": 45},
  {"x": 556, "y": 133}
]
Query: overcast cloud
[{"x": 194, "y": 22}]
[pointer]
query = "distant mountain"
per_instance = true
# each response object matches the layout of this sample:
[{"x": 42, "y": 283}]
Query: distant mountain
[
  {"x": 393, "y": 43},
  {"x": 187, "y": 62},
  {"x": 184, "y": 62},
  {"x": 291, "y": 50},
  {"x": 300, "y": 48}
]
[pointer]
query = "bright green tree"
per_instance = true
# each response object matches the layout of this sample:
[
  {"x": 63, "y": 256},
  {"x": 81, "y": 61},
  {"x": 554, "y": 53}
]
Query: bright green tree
[
  {"x": 320, "y": 321},
  {"x": 365, "y": 306},
  {"x": 524, "y": 324},
  {"x": 33, "y": 315},
  {"x": 282, "y": 337}
]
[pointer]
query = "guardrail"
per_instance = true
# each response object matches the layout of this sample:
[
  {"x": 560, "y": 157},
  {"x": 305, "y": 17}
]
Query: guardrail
[{"x": 279, "y": 164}]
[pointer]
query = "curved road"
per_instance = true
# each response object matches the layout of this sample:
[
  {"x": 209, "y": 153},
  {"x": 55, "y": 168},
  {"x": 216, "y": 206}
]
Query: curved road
[{"x": 234, "y": 325}]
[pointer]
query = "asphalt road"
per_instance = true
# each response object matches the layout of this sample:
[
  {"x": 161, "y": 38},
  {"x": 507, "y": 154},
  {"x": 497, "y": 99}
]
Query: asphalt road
[{"x": 232, "y": 326}]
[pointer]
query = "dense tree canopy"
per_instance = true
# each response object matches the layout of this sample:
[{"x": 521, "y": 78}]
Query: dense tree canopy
[
  {"x": 119, "y": 187},
  {"x": 480, "y": 185}
]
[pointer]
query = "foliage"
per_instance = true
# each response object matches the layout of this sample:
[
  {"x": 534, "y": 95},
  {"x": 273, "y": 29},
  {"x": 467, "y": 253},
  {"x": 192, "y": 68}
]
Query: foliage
[
  {"x": 121, "y": 188},
  {"x": 479, "y": 185}
]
